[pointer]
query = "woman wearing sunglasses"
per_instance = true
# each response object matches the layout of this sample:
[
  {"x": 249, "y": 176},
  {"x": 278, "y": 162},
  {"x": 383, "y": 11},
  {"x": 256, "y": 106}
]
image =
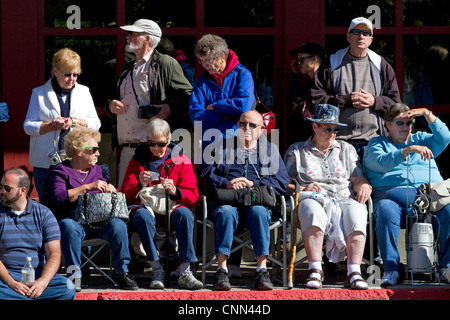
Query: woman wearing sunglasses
[
  {"x": 161, "y": 162},
  {"x": 55, "y": 108},
  {"x": 396, "y": 165},
  {"x": 78, "y": 175},
  {"x": 333, "y": 192}
]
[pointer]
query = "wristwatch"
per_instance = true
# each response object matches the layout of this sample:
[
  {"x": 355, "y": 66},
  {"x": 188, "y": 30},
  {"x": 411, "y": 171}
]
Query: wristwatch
[{"x": 74, "y": 121}]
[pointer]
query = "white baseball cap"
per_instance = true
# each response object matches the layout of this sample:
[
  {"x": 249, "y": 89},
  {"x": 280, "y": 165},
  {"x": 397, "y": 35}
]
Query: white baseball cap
[
  {"x": 144, "y": 25},
  {"x": 360, "y": 20}
]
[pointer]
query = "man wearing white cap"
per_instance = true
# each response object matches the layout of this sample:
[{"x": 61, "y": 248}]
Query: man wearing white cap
[
  {"x": 151, "y": 86},
  {"x": 359, "y": 82}
]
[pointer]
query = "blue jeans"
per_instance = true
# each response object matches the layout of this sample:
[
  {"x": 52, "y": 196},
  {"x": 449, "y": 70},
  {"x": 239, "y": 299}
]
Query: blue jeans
[
  {"x": 57, "y": 288},
  {"x": 115, "y": 232},
  {"x": 226, "y": 221},
  {"x": 182, "y": 220},
  {"x": 390, "y": 216},
  {"x": 40, "y": 177}
]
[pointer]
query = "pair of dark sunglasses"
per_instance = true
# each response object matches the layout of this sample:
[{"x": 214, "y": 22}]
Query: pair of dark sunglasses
[
  {"x": 357, "y": 32},
  {"x": 243, "y": 124},
  {"x": 93, "y": 149},
  {"x": 6, "y": 187},
  {"x": 159, "y": 144},
  {"x": 75, "y": 75},
  {"x": 300, "y": 60},
  {"x": 328, "y": 130},
  {"x": 400, "y": 123}
]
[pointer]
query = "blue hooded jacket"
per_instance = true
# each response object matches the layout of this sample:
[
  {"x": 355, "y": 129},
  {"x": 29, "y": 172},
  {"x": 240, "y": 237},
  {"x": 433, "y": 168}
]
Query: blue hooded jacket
[{"x": 235, "y": 97}]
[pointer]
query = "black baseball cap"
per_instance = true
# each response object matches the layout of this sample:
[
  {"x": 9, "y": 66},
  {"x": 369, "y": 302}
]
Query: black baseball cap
[{"x": 309, "y": 47}]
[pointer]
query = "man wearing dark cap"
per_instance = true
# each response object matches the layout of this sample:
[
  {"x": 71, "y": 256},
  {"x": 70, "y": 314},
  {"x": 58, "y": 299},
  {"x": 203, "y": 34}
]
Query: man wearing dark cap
[
  {"x": 359, "y": 82},
  {"x": 308, "y": 58},
  {"x": 152, "y": 79}
]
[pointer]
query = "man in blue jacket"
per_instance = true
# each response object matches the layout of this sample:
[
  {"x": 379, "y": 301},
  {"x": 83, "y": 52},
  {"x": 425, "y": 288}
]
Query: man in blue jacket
[{"x": 253, "y": 162}]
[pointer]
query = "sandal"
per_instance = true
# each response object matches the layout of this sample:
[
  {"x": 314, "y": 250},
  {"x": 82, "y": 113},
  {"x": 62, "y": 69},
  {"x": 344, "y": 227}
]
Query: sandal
[
  {"x": 354, "y": 284},
  {"x": 310, "y": 285}
]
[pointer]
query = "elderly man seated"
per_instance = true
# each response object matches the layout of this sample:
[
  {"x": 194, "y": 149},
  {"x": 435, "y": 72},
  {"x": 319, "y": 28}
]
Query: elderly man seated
[{"x": 255, "y": 162}]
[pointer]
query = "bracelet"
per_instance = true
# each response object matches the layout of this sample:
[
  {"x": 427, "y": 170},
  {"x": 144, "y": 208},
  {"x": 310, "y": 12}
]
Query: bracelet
[
  {"x": 74, "y": 121},
  {"x": 430, "y": 113}
]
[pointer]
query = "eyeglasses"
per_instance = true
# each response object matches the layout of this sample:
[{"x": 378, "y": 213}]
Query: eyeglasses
[
  {"x": 357, "y": 32},
  {"x": 7, "y": 188},
  {"x": 300, "y": 60},
  {"x": 207, "y": 61},
  {"x": 400, "y": 123},
  {"x": 243, "y": 124},
  {"x": 328, "y": 129},
  {"x": 75, "y": 75},
  {"x": 94, "y": 149},
  {"x": 159, "y": 144}
]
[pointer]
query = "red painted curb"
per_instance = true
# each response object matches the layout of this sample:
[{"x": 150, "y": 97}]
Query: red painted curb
[{"x": 306, "y": 294}]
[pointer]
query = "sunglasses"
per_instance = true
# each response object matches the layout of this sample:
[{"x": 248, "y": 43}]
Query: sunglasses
[
  {"x": 243, "y": 124},
  {"x": 328, "y": 130},
  {"x": 357, "y": 32},
  {"x": 160, "y": 144},
  {"x": 300, "y": 60},
  {"x": 75, "y": 75},
  {"x": 400, "y": 123},
  {"x": 94, "y": 149},
  {"x": 7, "y": 188}
]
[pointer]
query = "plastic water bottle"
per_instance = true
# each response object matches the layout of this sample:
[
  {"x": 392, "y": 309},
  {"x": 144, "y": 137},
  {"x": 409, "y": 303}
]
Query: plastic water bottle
[{"x": 28, "y": 273}]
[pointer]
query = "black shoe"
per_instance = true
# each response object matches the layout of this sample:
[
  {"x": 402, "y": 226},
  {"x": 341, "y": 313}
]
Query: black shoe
[
  {"x": 262, "y": 280},
  {"x": 221, "y": 280},
  {"x": 126, "y": 282}
]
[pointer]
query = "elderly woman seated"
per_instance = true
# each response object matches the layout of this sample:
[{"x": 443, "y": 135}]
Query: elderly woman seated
[
  {"x": 333, "y": 191},
  {"x": 396, "y": 165},
  {"x": 157, "y": 162},
  {"x": 80, "y": 175}
]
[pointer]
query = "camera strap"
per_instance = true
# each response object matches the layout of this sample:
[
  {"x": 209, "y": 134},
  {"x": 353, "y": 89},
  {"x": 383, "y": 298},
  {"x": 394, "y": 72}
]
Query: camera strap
[{"x": 132, "y": 85}]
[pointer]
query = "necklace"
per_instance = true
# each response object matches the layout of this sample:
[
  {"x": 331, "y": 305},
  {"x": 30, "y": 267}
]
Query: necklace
[{"x": 82, "y": 180}]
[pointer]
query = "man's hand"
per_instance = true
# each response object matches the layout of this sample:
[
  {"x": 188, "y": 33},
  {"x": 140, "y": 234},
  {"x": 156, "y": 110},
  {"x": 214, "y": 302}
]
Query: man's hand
[
  {"x": 117, "y": 107},
  {"x": 362, "y": 99},
  {"x": 239, "y": 183},
  {"x": 164, "y": 113}
]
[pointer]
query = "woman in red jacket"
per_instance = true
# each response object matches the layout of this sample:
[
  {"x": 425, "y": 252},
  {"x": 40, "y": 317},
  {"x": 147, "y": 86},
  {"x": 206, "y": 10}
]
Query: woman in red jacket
[{"x": 156, "y": 163}]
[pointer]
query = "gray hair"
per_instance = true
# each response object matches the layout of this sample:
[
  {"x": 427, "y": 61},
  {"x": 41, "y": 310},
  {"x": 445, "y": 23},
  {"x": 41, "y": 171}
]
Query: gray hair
[
  {"x": 211, "y": 44},
  {"x": 159, "y": 127},
  {"x": 394, "y": 110}
]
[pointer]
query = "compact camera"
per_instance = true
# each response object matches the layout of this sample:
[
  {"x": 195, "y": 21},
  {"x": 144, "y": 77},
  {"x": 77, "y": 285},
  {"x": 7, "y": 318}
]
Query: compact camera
[
  {"x": 55, "y": 158},
  {"x": 146, "y": 112}
]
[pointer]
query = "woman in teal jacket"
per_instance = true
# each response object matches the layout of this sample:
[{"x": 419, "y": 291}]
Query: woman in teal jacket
[{"x": 396, "y": 165}]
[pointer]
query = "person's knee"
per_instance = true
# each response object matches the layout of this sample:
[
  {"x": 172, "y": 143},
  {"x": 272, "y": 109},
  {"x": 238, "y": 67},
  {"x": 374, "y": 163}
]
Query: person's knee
[{"x": 387, "y": 211}]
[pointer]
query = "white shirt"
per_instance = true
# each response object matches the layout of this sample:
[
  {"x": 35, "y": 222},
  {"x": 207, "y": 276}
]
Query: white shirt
[{"x": 131, "y": 129}]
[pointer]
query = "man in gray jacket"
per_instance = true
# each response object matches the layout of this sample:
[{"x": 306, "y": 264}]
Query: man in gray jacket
[{"x": 359, "y": 82}]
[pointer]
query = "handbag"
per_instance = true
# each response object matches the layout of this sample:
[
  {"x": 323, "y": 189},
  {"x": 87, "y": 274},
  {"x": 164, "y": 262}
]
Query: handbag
[
  {"x": 267, "y": 114},
  {"x": 98, "y": 209},
  {"x": 263, "y": 195},
  {"x": 154, "y": 199},
  {"x": 439, "y": 193}
]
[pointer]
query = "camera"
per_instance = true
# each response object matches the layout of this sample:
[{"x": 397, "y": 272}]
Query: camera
[
  {"x": 55, "y": 158},
  {"x": 146, "y": 112}
]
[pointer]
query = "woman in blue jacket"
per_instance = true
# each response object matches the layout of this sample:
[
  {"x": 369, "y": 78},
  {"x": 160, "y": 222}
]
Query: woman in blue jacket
[
  {"x": 396, "y": 165},
  {"x": 223, "y": 93}
]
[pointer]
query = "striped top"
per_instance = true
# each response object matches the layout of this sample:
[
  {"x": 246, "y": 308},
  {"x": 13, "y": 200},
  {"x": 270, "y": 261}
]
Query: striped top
[{"x": 24, "y": 235}]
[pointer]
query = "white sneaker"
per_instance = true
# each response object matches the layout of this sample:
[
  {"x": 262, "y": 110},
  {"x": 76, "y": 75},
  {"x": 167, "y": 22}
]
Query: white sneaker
[
  {"x": 157, "y": 280},
  {"x": 389, "y": 279},
  {"x": 187, "y": 280}
]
